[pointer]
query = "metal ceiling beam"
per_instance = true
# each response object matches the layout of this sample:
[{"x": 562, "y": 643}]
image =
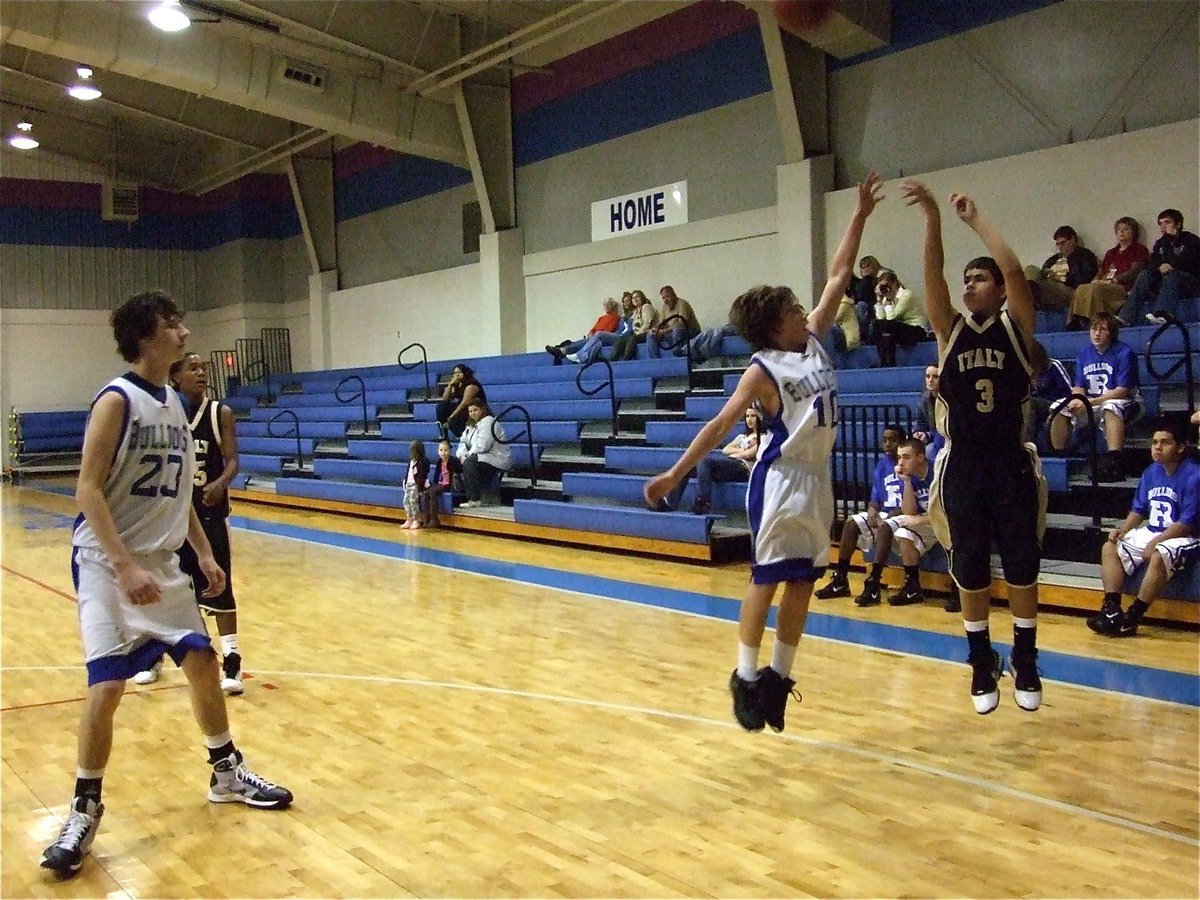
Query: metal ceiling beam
[
  {"x": 166, "y": 120},
  {"x": 283, "y": 150}
]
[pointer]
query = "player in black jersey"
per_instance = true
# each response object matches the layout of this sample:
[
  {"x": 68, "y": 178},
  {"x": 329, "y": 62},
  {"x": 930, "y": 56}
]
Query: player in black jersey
[
  {"x": 215, "y": 444},
  {"x": 987, "y": 483}
]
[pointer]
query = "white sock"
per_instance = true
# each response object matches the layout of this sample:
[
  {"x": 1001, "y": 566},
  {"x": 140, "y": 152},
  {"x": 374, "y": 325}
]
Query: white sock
[
  {"x": 90, "y": 774},
  {"x": 1024, "y": 623},
  {"x": 783, "y": 657},
  {"x": 228, "y": 644},
  {"x": 217, "y": 741},
  {"x": 747, "y": 662}
]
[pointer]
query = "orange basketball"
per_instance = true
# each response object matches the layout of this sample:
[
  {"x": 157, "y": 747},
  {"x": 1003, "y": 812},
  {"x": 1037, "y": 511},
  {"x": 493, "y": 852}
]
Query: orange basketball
[{"x": 802, "y": 16}]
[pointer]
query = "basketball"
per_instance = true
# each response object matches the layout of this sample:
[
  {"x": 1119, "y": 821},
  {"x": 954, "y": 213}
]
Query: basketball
[{"x": 802, "y": 16}]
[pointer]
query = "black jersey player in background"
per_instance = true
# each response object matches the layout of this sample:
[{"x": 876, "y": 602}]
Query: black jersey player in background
[
  {"x": 988, "y": 484},
  {"x": 212, "y": 428}
]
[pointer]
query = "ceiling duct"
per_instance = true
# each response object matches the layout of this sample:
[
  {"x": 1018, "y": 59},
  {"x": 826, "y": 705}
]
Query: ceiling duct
[{"x": 303, "y": 74}]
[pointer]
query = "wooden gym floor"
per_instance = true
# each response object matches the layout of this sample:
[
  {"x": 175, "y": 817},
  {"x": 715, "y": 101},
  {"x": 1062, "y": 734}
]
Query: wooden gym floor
[{"x": 467, "y": 716}]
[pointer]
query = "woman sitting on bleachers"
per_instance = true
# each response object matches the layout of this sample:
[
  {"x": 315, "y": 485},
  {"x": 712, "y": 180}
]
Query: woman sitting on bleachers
[
  {"x": 1118, "y": 270},
  {"x": 737, "y": 460},
  {"x": 899, "y": 317},
  {"x": 452, "y": 408},
  {"x": 607, "y": 324},
  {"x": 645, "y": 317},
  {"x": 483, "y": 452}
]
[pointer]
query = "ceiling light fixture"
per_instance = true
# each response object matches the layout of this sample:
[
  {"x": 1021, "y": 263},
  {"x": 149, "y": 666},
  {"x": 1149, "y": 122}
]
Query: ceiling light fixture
[
  {"x": 84, "y": 89},
  {"x": 169, "y": 16},
  {"x": 23, "y": 138}
]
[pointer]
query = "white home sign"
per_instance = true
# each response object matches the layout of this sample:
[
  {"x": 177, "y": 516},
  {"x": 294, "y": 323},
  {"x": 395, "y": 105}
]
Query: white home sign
[{"x": 659, "y": 207}]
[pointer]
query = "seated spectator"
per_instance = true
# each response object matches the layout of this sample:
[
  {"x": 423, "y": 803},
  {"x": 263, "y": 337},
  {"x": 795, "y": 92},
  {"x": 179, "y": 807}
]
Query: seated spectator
[
  {"x": 734, "y": 465},
  {"x": 1050, "y": 384},
  {"x": 926, "y": 424},
  {"x": 594, "y": 345},
  {"x": 707, "y": 343},
  {"x": 608, "y": 323},
  {"x": 414, "y": 484},
  {"x": 1106, "y": 376},
  {"x": 862, "y": 292},
  {"x": 1162, "y": 532},
  {"x": 645, "y": 317},
  {"x": 482, "y": 452},
  {"x": 914, "y": 534},
  {"x": 1054, "y": 284},
  {"x": 672, "y": 333},
  {"x": 452, "y": 408},
  {"x": 845, "y": 334},
  {"x": 871, "y": 530},
  {"x": 446, "y": 476},
  {"x": 1172, "y": 274},
  {"x": 899, "y": 317},
  {"x": 1118, "y": 270}
]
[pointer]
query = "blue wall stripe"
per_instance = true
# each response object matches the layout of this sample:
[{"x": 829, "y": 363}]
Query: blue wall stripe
[
  {"x": 59, "y": 227},
  {"x": 404, "y": 179},
  {"x": 1142, "y": 681},
  {"x": 729, "y": 69}
]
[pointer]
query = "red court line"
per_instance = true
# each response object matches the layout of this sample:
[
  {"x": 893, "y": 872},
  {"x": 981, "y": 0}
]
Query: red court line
[
  {"x": 21, "y": 706},
  {"x": 42, "y": 584}
]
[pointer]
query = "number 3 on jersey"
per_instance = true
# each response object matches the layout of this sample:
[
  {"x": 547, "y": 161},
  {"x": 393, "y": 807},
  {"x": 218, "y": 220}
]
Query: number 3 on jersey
[
  {"x": 987, "y": 395},
  {"x": 149, "y": 484}
]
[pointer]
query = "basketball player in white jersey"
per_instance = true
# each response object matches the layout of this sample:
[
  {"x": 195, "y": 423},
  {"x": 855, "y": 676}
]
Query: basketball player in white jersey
[
  {"x": 134, "y": 603},
  {"x": 789, "y": 502}
]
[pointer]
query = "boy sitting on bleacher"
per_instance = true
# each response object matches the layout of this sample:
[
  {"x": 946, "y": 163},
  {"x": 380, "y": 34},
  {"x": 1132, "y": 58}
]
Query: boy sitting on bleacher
[
  {"x": 1162, "y": 531},
  {"x": 1106, "y": 376},
  {"x": 871, "y": 530},
  {"x": 914, "y": 534}
]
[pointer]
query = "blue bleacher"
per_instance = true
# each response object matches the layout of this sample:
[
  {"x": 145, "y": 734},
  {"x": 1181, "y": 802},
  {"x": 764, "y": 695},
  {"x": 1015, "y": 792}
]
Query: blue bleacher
[
  {"x": 560, "y": 410},
  {"x": 270, "y": 446},
  {"x": 316, "y": 430},
  {"x": 372, "y": 494},
  {"x": 628, "y": 489},
  {"x": 349, "y": 412},
  {"x": 564, "y": 432},
  {"x": 398, "y": 451},
  {"x": 683, "y": 527}
]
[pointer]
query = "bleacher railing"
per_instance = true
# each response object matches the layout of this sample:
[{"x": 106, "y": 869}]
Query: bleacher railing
[
  {"x": 360, "y": 395},
  {"x": 1185, "y": 363},
  {"x": 295, "y": 432},
  {"x": 859, "y": 426},
  {"x": 527, "y": 434},
  {"x": 609, "y": 382},
  {"x": 424, "y": 362},
  {"x": 685, "y": 339},
  {"x": 259, "y": 370}
]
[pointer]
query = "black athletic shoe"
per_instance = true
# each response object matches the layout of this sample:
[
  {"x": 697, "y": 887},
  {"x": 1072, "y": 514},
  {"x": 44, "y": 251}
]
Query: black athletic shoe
[
  {"x": 773, "y": 693},
  {"x": 1027, "y": 680},
  {"x": 1129, "y": 623},
  {"x": 907, "y": 595},
  {"x": 838, "y": 586},
  {"x": 231, "y": 680},
  {"x": 985, "y": 692},
  {"x": 65, "y": 855},
  {"x": 871, "y": 594},
  {"x": 1108, "y": 621},
  {"x": 746, "y": 705},
  {"x": 953, "y": 602}
]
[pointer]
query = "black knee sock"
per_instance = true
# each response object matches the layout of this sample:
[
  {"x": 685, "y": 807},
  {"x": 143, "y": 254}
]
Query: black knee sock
[
  {"x": 1113, "y": 598},
  {"x": 912, "y": 575},
  {"x": 979, "y": 642},
  {"x": 876, "y": 571},
  {"x": 1024, "y": 640},
  {"x": 220, "y": 753},
  {"x": 843, "y": 567},
  {"x": 1138, "y": 608},
  {"x": 89, "y": 788}
]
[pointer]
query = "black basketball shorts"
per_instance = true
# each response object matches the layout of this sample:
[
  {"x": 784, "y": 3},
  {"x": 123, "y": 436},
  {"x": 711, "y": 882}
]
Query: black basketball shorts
[{"x": 217, "y": 531}]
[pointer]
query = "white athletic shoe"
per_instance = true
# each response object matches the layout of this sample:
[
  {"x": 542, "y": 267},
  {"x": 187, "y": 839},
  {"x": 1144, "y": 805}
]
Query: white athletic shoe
[{"x": 149, "y": 676}]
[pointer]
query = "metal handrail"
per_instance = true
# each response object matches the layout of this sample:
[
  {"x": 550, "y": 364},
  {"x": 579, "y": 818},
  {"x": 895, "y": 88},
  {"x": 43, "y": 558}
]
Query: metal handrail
[
  {"x": 266, "y": 377},
  {"x": 687, "y": 344},
  {"x": 609, "y": 383},
  {"x": 1186, "y": 362},
  {"x": 361, "y": 395},
  {"x": 527, "y": 434},
  {"x": 296, "y": 431},
  {"x": 424, "y": 362},
  {"x": 851, "y": 462}
]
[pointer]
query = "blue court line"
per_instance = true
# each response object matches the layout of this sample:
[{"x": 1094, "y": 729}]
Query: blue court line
[{"x": 1125, "y": 678}]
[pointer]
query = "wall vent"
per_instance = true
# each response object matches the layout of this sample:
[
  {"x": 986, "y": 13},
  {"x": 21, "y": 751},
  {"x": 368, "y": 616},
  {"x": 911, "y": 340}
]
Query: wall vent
[
  {"x": 119, "y": 202},
  {"x": 303, "y": 75}
]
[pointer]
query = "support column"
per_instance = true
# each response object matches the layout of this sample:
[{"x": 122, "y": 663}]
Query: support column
[
  {"x": 801, "y": 188},
  {"x": 502, "y": 291},
  {"x": 320, "y": 286}
]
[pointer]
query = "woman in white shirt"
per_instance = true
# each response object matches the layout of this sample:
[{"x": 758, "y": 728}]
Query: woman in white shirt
[
  {"x": 483, "y": 452},
  {"x": 899, "y": 316}
]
